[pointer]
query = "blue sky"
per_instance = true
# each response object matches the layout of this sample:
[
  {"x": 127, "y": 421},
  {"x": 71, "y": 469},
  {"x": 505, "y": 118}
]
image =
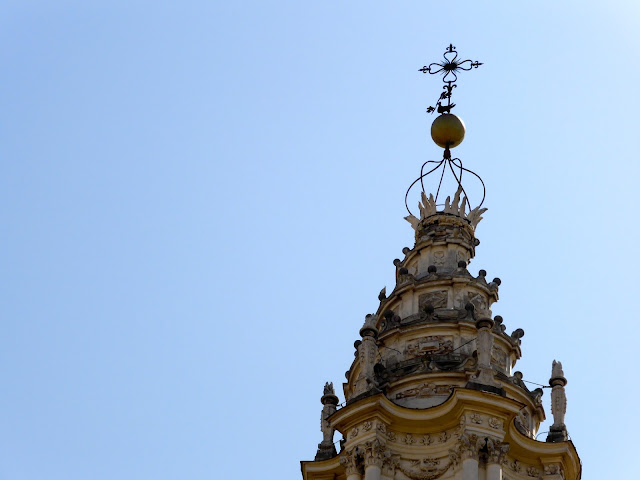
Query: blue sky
[{"x": 202, "y": 200}]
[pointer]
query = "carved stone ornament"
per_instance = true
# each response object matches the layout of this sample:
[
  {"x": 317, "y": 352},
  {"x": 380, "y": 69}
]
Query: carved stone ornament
[
  {"x": 439, "y": 259},
  {"x": 434, "y": 345},
  {"x": 428, "y": 207},
  {"x": 469, "y": 445},
  {"x": 553, "y": 469},
  {"x": 435, "y": 299},
  {"x": 534, "y": 472},
  {"x": 328, "y": 389},
  {"x": 390, "y": 464},
  {"x": 373, "y": 452},
  {"x": 408, "y": 439},
  {"x": 350, "y": 462},
  {"x": 477, "y": 300},
  {"x": 496, "y": 450},
  {"x": 425, "y": 469},
  {"x": 494, "y": 423},
  {"x": 556, "y": 370},
  {"x": 514, "y": 465},
  {"x": 425, "y": 390},
  {"x": 426, "y": 440},
  {"x": 475, "y": 418},
  {"x": 558, "y": 396},
  {"x": 523, "y": 424}
]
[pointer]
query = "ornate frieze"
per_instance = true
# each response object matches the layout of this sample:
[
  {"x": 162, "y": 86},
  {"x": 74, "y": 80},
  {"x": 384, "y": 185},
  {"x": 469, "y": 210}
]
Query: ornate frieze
[
  {"x": 423, "y": 469},
  {"x": 433, "y": 345},
  {"x": 425, "y": 390},
  {"x": 412, "y": 439}
]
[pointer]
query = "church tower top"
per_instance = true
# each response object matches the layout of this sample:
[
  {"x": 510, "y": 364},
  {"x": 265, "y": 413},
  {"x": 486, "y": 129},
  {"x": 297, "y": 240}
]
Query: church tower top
[{"x": 432, "y": 392}]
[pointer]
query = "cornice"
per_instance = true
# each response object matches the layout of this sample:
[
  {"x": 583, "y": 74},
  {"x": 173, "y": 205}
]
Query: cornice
[{"x": 324, "y": 469}]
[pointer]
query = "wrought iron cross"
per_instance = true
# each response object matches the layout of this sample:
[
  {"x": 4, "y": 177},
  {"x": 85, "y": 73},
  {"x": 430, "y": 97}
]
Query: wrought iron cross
[{"x": 448, "y": 69}]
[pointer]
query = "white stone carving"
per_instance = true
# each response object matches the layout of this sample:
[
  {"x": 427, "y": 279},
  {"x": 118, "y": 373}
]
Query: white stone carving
[
  {"x": 428, "y": 207},
  {"x": 349, "y": 461},
  {"x": 558, "y": 396},
  {"x": 434, "y": 345},
  {"x": 425, "y": 390},
  {"x": 424, "y": 469},
  {"x": 494, "y": 423},
  {"x": 556, "y": 370},
  {"x": 475, "y": 418}
]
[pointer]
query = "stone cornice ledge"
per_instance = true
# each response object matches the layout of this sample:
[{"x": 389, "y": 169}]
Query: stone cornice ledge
[{"x": 325, "y": 469}]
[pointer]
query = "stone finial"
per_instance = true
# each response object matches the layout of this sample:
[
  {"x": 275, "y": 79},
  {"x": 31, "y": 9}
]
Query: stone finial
[
  {"x": 369, "y": 328},
  {"x": 326, "y": 448},
  {"x": 328, "y": 391},
  {"x": 516, "y": 335},
  {"x": 383, "y": 294},
  {"x": 558, "y": 431},
  {"x": 556, "y": 372}
]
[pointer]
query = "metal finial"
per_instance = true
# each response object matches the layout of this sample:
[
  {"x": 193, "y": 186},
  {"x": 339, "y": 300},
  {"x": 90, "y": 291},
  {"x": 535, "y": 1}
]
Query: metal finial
[
  {"x": 447, "y": 131},
  {"x": 448, "y": 69}
]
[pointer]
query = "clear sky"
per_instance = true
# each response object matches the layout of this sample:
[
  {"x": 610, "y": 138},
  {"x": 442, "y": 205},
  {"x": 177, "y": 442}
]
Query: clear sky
[{"x": 202, "y": 200}]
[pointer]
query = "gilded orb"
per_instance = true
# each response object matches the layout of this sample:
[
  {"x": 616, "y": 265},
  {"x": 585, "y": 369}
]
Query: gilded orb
[{"x": 447, "y": 130}]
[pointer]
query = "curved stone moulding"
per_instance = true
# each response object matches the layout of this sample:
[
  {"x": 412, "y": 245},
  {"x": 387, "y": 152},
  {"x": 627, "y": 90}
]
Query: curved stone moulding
[{"x": 468, "y": 425}]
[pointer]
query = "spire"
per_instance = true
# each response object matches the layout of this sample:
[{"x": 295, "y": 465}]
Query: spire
[{"x": 329, "y": 400}]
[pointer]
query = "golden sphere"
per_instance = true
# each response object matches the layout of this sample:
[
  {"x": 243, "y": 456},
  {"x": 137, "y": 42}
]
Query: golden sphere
[{"x": 447, "y": 130}]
